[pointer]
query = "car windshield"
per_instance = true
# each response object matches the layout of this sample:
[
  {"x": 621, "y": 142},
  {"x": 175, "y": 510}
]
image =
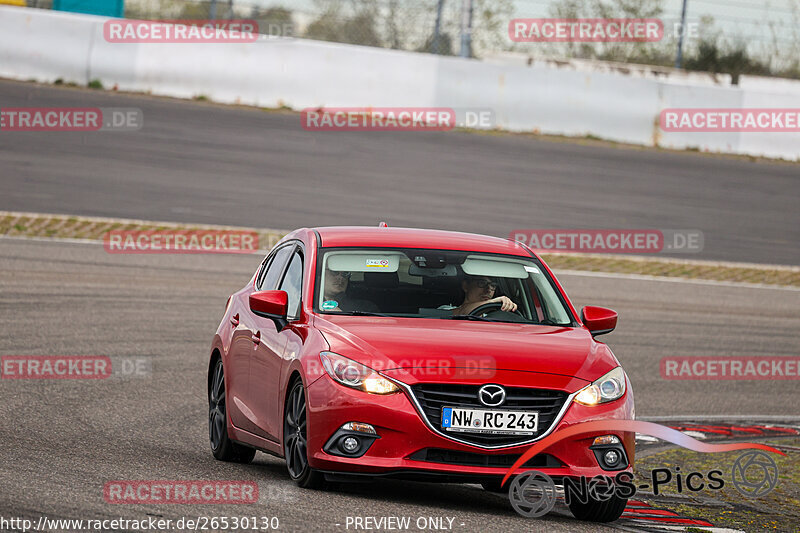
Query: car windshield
[{"x": 439, "y": 284}]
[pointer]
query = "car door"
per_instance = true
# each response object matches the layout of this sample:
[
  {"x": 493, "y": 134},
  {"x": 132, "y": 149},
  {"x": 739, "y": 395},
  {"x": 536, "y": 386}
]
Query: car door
[
  {"x": 269, "y": 358},
  {"x": 243, "y": 341}
]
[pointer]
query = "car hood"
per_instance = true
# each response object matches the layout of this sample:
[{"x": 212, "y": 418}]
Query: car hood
[{"x": 385, "y": 343}]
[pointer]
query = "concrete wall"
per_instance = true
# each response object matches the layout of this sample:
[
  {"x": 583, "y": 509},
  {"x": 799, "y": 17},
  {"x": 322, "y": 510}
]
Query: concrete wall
[{"x": 46, "y": 45}]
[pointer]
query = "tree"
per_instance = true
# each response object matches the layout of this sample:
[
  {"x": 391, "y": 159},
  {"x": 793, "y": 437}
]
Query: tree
[{"x": 358, "y": 27}]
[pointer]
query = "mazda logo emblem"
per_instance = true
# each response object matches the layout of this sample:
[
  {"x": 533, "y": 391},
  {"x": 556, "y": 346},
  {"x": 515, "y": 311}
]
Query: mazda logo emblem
[{"x": 492, "y": 395}]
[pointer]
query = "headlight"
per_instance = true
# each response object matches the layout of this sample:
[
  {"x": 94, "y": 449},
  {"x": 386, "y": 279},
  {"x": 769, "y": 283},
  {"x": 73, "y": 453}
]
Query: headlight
[
  {"x": 608, "y": 388},
  {"x": 355, "y": 375}
]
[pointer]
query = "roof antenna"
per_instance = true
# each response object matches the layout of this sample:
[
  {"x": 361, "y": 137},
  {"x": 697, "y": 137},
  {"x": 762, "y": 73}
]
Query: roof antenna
[{"x": 383, "y": 224}]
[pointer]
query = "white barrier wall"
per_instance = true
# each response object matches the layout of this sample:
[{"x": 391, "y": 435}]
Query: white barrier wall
[
  {"x": 46, "y": 45},
  {"x": 43, "y": 45}
]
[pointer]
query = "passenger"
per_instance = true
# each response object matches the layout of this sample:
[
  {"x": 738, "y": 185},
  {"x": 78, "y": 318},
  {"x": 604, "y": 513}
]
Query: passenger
[
  {"x": 335, "y": 297},
  {"x": 479, "y": 290}
]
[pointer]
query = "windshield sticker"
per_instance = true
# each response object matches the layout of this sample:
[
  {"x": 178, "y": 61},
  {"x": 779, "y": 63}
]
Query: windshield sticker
[
  {"x": 532, "y": 269},
  {"x": 377, "y": 263},
  {"x": 327, "y": 305}
]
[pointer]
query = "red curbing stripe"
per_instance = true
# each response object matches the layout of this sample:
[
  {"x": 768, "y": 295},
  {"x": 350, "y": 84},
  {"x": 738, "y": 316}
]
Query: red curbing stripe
[
  {"x": 681, "y": 521},
  {"x": 790, "y": 431},
  {"x": 662, "y": 512}
]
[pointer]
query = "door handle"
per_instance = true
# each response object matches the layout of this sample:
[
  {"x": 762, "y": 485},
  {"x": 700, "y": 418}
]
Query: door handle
[
  {"x": 256, "y": 337},
  {"x": 235, "y": 319}
]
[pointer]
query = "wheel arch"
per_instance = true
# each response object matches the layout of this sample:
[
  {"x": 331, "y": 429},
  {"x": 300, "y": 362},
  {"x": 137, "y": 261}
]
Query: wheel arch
[{"x": 212, "y": 362}]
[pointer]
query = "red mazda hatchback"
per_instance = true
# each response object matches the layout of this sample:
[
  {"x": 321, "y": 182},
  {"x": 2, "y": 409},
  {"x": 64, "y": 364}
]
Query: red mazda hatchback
[{"x": 414, "y": 353}]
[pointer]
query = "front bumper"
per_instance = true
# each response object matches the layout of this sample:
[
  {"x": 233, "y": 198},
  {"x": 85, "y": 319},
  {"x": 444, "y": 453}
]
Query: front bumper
[{"x": 409, "y": 448}]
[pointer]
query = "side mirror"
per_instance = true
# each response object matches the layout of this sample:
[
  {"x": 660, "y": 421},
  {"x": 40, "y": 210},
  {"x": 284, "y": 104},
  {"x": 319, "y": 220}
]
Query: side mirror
[
  {"x": 270, "y": 304},
  {"x": 599, "y": 320}
]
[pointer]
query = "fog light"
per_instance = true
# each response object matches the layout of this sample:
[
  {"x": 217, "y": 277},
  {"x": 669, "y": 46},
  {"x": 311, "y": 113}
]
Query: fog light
[
  {"x": 350, "y": 444},
  {"x": 611, "y": 457},
  {"x": 605, "y": 440}
]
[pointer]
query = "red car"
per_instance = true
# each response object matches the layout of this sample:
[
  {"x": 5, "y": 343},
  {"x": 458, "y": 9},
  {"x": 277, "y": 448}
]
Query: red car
[{"x": 414, "y": 353}]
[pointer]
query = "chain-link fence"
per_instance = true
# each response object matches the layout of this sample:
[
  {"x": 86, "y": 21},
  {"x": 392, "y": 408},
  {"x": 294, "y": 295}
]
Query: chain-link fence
[{"x": 730, "y": 36}]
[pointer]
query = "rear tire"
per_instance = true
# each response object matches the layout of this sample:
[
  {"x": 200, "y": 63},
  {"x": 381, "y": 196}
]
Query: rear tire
[
  {"x": 598, "y": 511},
  {"x": 223, "y": 448},
  {"x": 295, "y": 440}
]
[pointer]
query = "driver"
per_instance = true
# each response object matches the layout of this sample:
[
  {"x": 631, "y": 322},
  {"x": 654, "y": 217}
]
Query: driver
[
  {"x": 335, "y": 297},
  {"x": 479, "y": 290}
]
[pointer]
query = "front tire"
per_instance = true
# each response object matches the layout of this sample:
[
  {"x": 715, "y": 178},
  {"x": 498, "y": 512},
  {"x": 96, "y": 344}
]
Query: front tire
[
  {"x": 597, "y": 510},
  {"x": 223, "y": 448},
  {"x": 295, "y": 440}
]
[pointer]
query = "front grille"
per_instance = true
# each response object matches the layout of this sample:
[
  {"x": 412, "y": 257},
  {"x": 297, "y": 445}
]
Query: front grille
[
  {"x": 453, "y": 457},
  {"x": 432, "y": 397}
]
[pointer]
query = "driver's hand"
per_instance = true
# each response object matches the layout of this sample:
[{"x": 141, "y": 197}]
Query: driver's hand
[{"x": 508, "y": 305}]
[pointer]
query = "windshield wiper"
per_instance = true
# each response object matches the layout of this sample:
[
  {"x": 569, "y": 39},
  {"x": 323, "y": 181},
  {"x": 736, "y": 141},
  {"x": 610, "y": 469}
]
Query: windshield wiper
[
  {"x": 551, "y": 322},
  {"x": 361, "y": 313},
  {"x": 547, "y": 322},
  {"x": 472, "y": 317}
]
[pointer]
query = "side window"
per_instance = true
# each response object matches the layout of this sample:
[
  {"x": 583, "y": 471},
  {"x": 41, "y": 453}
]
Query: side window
[
  {"x": 275, "y": 268},
  {"x": 293, "y": 285},
  {"x": 263, "y": 270}
]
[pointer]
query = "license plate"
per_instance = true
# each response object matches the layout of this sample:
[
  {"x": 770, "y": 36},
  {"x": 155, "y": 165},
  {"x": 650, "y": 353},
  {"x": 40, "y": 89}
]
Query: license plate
[{"x": 495, "y": 421}]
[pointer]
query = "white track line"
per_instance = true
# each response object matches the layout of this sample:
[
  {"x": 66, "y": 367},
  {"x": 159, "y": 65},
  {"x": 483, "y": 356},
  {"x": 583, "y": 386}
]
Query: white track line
[
  {"x": 684, "y": 418},
  {"x": 67, "y": 240},
  {"x": 642, "y": 277}
]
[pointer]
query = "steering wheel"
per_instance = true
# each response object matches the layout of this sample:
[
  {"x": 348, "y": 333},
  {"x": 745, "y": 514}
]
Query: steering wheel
[{"x": 492, "y": 307}]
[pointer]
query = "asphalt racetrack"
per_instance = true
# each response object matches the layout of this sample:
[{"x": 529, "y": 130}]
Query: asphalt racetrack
[
  {"x": 196, "y": 162},
  {"x": 205, "y": 163},
  {"x": 64, "y": 439}
]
